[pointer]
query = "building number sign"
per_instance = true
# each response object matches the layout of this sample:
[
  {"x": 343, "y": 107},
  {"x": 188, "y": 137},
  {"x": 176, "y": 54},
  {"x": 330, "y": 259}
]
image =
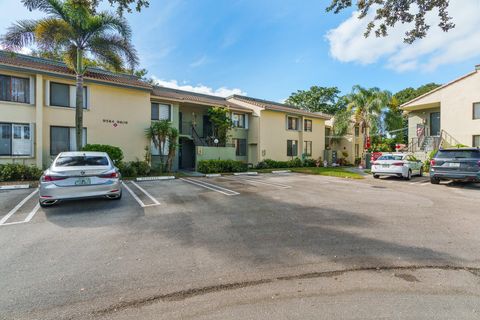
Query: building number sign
[{"x": 115, "y": 123}]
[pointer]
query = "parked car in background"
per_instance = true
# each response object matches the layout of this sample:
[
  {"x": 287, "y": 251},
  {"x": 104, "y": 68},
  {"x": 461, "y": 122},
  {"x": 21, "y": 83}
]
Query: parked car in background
[
  {"x": 402, "y": 165},
  {"x": 77, "y": 175},
  {"x": 455, "y": 164}
]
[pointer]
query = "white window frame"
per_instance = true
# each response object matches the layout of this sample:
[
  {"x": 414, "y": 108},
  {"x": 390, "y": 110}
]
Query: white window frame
[
  {"x": 72, "y": 92},
  {"x": 297, "y": 121},
  {"x": 159, "y": 104},
  {"x": 296, "y": 144},
  {"x": 71, "y": 138},
  {"x": 28, "y": 93},
  {"x": 31, "y": 139},
  {"x": 476, "y": 105}
]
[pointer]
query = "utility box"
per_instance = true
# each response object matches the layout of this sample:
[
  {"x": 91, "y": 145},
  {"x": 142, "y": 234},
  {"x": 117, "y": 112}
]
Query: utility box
[{"x": 368, "y": 162}]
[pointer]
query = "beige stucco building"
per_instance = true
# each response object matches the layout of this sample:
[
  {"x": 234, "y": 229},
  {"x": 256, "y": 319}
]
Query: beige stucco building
[
  {"x": 352, "y": 143},
  {"x": 446, "y": 116},
  {"x": 281, "y": 132},
  {"x": 37, "y": 118}
]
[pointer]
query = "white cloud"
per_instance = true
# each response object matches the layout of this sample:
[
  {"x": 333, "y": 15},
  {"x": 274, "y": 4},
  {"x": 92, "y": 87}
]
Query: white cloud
[
  {"x": 220, "y": 92},
  {"x": 347, "y": 43}
]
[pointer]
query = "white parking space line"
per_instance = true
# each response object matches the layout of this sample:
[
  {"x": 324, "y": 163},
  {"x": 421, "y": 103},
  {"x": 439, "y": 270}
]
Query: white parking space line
[
  {"x": 18, "y": 206},
  {"x": 210, "y": 186},
  {"x": 253, "y": 181},
  {"x": 140, "y": 202},
  {"x": 146, "y": 193},
  {"x": 32, "y": 213}
]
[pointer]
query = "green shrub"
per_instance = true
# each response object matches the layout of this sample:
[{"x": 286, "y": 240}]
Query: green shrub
[
  {"x": 294, "y": 163},
  {"x": 219, "y": 166},
  {"x": 19, "y": 172},
  {"x": 309, "y": 162},
  {"x": 115, "y": 153},
  {"x": 134, "y": 168}
]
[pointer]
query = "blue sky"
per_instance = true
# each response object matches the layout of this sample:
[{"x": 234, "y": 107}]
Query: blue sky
[{"x": 268, "y": 49}]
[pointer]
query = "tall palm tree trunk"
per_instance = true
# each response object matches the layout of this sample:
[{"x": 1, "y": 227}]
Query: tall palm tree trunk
[{"x": 79, "y": 101}]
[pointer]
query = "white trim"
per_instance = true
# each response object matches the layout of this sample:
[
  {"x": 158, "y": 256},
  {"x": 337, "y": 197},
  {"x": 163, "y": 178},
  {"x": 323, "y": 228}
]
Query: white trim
[
  {"x": 47, "y": 92},
  {"x": 72, "y": 92},
  {"x": 31, "y": 87}
]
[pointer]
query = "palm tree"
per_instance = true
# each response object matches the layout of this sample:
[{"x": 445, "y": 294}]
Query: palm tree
[
  {"x": 366, "y": 105},
  {"x": 158, "y": 133},
  {"x": 172, "y": 147},
  {"x": 75, "y": 30}
]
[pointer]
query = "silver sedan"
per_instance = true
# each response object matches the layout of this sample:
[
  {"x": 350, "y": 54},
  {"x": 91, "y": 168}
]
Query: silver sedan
[{"x": 77, "y": 175}]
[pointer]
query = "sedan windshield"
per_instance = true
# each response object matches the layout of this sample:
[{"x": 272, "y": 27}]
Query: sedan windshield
[
  {"x": 391, "y": 157},
  {"x": 451, "y": 154},
  {"x": 81, "y": 161}
]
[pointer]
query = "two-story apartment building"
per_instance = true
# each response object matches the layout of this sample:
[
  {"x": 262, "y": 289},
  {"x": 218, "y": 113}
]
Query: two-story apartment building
[
  {"x": 37, "y": 114},
  {"x": 37, "y": 118},
  {"x": 282, "y": 132},
  {"x": 352, "y": 144},
  {"x": 446, "y": 116}
]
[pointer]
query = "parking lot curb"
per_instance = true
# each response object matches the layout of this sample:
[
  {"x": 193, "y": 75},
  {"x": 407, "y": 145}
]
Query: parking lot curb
[
  {"x": 212, "y": 175},
  {"x": 155, "y": 178},
  {"x": 281, "y": 171},
  {"x": 245, "y": 173},
  {"x": 15, "y": 187}
]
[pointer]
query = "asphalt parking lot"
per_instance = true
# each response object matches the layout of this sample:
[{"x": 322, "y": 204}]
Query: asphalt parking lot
[{"x": 166, "y": 242}]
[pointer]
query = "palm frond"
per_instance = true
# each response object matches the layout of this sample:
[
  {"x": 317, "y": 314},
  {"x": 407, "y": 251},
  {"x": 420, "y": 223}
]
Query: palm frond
[
  {"x": 106, "y": 21},
  {"x": 52, "y": 7},
  {"x": 19, "y": 35},
  {"x": 53, "y": 32},
  {"x": 109, "y": 47}
]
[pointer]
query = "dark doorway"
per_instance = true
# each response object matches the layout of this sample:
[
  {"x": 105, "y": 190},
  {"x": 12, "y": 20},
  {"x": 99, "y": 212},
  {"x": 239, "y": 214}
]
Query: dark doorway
[
  {"x": 186, "y": 154},
  {"x": 207, "y": 127},
  {"x": 435, "y": 123}
]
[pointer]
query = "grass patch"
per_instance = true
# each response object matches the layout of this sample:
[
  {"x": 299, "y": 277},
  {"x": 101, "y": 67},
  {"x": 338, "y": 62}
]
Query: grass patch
[{"x": 331, "y": 172}]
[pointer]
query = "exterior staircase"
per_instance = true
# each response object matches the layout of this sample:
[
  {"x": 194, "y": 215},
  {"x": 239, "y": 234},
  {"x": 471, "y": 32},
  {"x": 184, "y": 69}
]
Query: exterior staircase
[{"x": 423, "y": 145}]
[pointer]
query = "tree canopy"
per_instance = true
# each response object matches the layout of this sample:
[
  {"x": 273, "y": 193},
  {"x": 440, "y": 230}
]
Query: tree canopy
[
  {"x": 121, "y": 5},
  {"x": 410, "y": 93},
  {"x": 318, "y": 99},
  {"x": 390, "y": 12}
]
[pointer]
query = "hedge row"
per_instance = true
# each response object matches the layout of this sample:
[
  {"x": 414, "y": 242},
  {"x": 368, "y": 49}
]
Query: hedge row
[
  {"x": 134, "y": 168},
  {"x": 219, "y": 166},
  {"x": 294, "y": 163},
  {"x": 19, "y": 172}
]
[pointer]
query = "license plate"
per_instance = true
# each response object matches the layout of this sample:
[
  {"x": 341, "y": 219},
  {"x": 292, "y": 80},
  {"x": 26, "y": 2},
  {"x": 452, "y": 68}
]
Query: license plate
[
  {"x": 454, "y": 165},
  {"x": 385, "y": 165},
  {"x": 82, "y": 182}
]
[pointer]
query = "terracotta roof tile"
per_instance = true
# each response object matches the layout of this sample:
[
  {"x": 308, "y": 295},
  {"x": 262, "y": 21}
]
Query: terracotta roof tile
[
  {"x": 193, "y": 97},
  {"x": 47, "y": 65},
  {"x": 271, "y": 105}
]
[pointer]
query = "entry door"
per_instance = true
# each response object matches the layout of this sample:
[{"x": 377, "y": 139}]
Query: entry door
[{"x": 435, "y": 123}]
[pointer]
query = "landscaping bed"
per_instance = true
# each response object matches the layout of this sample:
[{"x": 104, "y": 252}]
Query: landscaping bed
[{"x": 329, "y": 171}]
